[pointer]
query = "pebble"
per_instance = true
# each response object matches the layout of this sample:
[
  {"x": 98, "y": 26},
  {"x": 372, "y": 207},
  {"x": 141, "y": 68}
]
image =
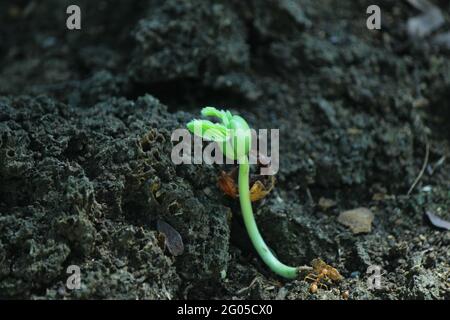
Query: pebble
[
  {"x": 326, "y": 204},
  {"x": 359, "y": 220}
]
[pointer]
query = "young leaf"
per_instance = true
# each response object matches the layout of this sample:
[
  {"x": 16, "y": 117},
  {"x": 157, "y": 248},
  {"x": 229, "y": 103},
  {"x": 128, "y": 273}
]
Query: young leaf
[
  {"x": 225, "y": 116},
  {"x": 212, "y": 112},
  {"x": 208, "y": 130}
]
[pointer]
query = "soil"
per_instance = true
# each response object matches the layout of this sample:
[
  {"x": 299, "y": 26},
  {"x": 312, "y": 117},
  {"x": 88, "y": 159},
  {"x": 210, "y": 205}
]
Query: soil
[{"x": 85, "y": 123}]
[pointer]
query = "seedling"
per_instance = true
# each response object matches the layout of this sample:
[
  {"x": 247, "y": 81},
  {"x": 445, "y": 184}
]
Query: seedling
[{"x": 233, "y": 136}]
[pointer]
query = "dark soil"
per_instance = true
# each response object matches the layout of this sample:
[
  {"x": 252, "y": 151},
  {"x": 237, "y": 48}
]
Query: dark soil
[{"x": 85, "y": 169}]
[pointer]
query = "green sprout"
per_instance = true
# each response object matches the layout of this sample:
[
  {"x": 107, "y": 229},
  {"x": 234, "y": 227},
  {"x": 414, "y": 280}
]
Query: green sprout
[{"x": 233, "y": 136}]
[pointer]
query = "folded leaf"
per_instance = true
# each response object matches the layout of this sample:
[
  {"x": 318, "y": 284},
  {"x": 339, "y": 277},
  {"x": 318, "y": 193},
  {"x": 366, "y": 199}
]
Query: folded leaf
[
  {"x": 225, "y": 116},
  {"x": 208, "y": 130}
]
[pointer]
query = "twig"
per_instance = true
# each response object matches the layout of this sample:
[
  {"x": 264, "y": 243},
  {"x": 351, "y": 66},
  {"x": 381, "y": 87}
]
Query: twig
[
  {"x": 425, "y": 163},
  {"x": 310, "y": 197},
  {"x": 248, "y": 287},
  {"x": 304, "y": 268}
]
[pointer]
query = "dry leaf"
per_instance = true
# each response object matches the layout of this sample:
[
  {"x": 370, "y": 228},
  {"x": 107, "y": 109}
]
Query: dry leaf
[{"x": 437, "y": 221}]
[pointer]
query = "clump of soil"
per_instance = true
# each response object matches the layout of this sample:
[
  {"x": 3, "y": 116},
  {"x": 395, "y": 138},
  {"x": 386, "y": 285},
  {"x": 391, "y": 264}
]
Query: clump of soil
[{"x": 85, "y": 140}]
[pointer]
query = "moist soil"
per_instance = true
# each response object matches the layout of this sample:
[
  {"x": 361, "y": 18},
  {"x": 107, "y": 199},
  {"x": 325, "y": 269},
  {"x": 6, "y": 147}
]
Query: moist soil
[{"x": 86, "y": 118}]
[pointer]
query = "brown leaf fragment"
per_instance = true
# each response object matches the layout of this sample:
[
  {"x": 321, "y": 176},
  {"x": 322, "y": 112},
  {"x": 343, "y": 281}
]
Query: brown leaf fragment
[
  {"x": 259, "y": 190},
  {"x": 227, "y": 185},
  {"x": 260, "y": 185}
]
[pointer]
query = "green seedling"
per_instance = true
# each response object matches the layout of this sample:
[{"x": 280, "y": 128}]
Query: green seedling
[{"x": 233, "y": 136}]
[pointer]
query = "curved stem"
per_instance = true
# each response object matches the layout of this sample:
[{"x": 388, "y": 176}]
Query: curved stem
[{"x": 246, "y": 207}]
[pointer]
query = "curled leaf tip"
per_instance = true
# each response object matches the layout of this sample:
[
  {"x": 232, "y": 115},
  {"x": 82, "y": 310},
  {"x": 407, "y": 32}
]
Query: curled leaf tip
[{"x": 208, "y": 130}]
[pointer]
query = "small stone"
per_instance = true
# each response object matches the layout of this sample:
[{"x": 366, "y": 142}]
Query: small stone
[
  {"x": 359, "y": 220},
  {"x": 207, "y": 191},
  {"x": 420, "y": 103},
  {"x": 326, "y": 204},
  {"x": 345, "y": 295}
]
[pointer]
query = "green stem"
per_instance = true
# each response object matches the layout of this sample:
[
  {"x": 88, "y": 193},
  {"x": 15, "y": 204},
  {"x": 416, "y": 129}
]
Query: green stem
[{"x": 246, "y": 207}]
